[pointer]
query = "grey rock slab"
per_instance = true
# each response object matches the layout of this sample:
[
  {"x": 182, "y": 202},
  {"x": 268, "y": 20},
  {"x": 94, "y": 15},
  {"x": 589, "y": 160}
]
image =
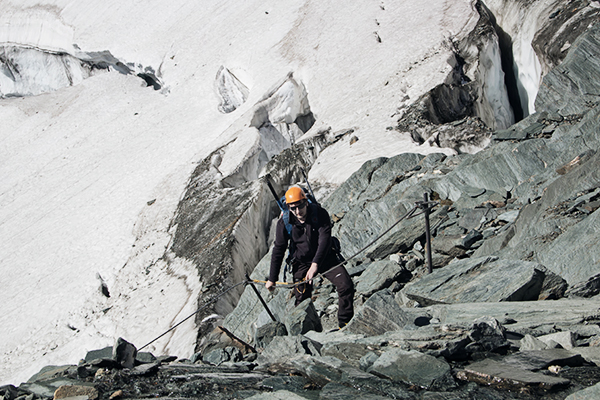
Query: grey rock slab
[
  {"x": 105, "y": 352},
  {"x": 145, "y": 369},
  {"x": 350, "y": 353},
  {"x": 541, "y": 359},
  {"x": 379, "y": 275},
  {"x": 581, "y": 262},
  {"x": 278, "y": 395},
  {"x": 302, "y": 318},
  {"x": 413, "y": 368},
  {"x": 285, "y": 382},
  {"x": 589, "y": 354},
  {"x": 506, "y": 376},
  {"x": 572, "y": 86},
  {"x": 509, "y": 216},
  {"x": 320, "y": 370},
  {"x": 48, "y": 387},
  {"x": 524, "y": 315},
  {"x": 379, "y": 314},
  {"x": 483, "y": 279},
  {"x": 51, "y": 372},
  {"x": 282, "y": 348},
  {"x": 337, "y": 391},
  {"x": 267, "y": 332},
  {"x": 529, "y": 342},
  {"x": 590, "y": 393},
  {"x": 565, "y": 339}
]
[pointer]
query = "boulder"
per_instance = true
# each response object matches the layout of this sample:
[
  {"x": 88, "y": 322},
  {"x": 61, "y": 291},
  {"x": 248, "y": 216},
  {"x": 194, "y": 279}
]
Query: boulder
[
  {"x": 535, "y": 360},
  {"x": 106, "y": 352},
  {"x": 325, "y": 369},
  {"x": 282, "y": 348},
  {"x": 529, "y": 342},
  {"x": 520, "y": 317},
  {"x": 379, "y": 314},
  {"x": 413, "y": 368},
  {"x": 347, "y": 352},
  {"x": 587, "y": 288},
  {"x": 267, "y": 332},
  {"x": 302, "y": 318},
  {"x": 506, "y": 376},
  {"x": 566, "y": 340},
  {"x": 220, "y": 355},
  {"x": 124, "y": 353},
  {"x": 379, "y": 275},
  {"x": 589, "y": 354},
  {"x": 484, "y": 279}
]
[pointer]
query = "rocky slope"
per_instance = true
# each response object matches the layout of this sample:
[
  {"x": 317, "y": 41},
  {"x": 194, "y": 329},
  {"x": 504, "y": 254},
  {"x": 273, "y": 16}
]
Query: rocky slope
[{"x": 509, "y": 310}]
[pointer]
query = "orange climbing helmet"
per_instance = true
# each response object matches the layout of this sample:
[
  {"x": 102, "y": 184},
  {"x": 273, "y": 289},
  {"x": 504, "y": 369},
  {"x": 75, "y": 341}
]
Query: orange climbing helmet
[{"x": 294, "y": 195}]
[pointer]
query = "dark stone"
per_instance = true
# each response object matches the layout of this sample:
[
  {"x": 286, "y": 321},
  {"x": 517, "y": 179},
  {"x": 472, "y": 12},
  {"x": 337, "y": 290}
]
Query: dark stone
[
  {"x": 144, "y": 358},
  {"x": 351, "y": 353},
  {"x": 379, "y": 314},
  {"x": 472, "y": 237},
  {"x": 124, "y": 353},
  {"x": 507, "y": 376},
  {"x": 414, "y": 368},
  {"x": 106, "y": 352},
  {"x": 146, "y": 369},
  {"x": 219, "y": 356},
  {"x": 267, "y": 332},
  {"x": 536, "y": 360},
  {"x": 510, "y": 134},
  {"x": 478, "y": 280},
  {"x": 588, "y": 288},
  {"x": 303, "y": 318},
  {"x": 379, "y": 275}
]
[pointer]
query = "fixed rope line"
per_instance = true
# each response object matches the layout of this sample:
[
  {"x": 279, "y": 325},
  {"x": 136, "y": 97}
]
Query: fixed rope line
[
  {"x": 409, "y": 214},
  {"x": 210, "y": 301}
]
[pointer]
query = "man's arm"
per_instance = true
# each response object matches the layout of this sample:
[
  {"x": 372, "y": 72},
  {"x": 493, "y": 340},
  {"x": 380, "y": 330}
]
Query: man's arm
[{"x": 279, "y": 247}]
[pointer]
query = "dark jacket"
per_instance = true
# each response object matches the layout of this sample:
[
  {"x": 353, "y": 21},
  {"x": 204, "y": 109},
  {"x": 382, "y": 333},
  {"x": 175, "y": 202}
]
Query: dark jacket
[{"x": 312, "y": 241}]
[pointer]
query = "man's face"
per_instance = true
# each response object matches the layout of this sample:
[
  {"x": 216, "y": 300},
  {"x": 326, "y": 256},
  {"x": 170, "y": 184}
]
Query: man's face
[{"x": 298, "y": 209}]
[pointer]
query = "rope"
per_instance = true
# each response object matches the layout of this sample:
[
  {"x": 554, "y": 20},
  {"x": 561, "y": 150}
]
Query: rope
[
  {"x": 291, "y": 285},
  {"x": 409, "y": 214},
  {"x": 211, "y": 300}
]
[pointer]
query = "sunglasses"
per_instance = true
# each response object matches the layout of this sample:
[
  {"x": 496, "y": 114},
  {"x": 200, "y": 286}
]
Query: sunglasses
[{"x": 295, "y": 207}]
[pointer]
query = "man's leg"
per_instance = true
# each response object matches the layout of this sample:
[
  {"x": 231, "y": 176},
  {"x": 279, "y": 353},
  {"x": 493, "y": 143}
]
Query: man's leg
[
  {"x": 345, "y": 289},
  {"x": 304, "y": 291}
]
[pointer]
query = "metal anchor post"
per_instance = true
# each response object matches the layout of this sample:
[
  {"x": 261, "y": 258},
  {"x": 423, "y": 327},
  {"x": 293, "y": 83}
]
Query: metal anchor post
[{"x": 427, "y": 233}]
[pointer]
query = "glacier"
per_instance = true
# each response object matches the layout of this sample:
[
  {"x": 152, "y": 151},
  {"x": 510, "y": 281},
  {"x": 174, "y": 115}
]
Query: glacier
[{"x": 94, "y": 162}]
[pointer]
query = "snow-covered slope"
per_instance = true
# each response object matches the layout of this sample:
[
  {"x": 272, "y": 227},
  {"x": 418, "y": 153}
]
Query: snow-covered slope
[{"x": 90, "y": 168}]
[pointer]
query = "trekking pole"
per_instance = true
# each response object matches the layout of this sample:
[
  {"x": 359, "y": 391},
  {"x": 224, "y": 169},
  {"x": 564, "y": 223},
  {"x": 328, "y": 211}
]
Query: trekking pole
[
  {"x": 264, "y": 303},
  {"x": 273, "y": 192},
  {"x": 308, "y": 184}
]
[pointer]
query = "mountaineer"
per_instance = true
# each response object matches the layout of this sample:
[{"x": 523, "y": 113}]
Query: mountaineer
[{"x": 311, "y": 252}]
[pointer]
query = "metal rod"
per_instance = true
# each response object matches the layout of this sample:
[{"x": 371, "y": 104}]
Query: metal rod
[
  {"x": 273, "y": 192},
  {"x": 308, "y": 184},
  {"x": 427, "y": 233},
  {"x": 264, "y": 303}
]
